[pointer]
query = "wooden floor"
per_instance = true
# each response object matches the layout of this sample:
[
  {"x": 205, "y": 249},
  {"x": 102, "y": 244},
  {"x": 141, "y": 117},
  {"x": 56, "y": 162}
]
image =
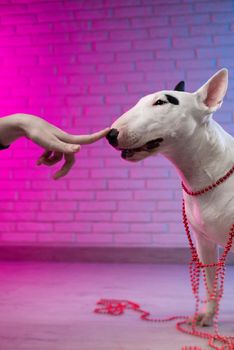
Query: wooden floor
[{"x": 50, "y": 306}]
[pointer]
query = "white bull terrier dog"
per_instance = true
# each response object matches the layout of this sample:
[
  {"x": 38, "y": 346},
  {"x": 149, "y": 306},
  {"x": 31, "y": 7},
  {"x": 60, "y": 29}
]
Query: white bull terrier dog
[{"x": 180, "y": 126}]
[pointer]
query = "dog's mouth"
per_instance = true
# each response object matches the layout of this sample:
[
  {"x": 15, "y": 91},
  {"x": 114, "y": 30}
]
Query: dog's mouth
[{"x": 149, "y": 147}]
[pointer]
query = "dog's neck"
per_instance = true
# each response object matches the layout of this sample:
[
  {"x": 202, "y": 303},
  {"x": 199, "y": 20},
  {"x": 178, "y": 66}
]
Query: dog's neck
[{"x": 203, "y": 157}]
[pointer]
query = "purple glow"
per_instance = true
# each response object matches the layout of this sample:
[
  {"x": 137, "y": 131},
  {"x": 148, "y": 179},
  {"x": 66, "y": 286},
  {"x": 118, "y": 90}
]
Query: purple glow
[{"x": 80, "y": 65}]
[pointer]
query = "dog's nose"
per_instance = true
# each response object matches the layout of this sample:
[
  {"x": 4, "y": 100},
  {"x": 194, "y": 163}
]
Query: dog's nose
[{"x": 112, "y": 137}]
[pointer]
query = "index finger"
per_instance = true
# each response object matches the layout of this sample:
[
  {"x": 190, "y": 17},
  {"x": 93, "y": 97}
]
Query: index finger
[{"x": 83, "y": 139}]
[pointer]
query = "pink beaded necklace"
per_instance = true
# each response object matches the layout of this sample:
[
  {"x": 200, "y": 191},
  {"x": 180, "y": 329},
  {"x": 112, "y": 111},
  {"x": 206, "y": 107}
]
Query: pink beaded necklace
[{"x": 117, "y": 307}]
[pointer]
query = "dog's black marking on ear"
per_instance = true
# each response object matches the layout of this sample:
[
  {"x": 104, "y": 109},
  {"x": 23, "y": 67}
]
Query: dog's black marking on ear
[
  {"x": 180, "y": 86},
  {"x": 172, "y": 99}
]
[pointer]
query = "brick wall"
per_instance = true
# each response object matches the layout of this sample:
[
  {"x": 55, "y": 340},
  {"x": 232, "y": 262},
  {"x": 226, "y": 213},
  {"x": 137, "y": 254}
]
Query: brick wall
[{"x": 80, "y": 64}]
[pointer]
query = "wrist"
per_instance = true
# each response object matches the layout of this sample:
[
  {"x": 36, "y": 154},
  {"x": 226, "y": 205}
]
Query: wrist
[
  {"x": 19, "y": 124},
  {"x": 12, "y": 127}
]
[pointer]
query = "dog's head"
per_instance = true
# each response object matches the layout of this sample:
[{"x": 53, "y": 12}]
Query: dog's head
[{"x": 160, "y": 119}]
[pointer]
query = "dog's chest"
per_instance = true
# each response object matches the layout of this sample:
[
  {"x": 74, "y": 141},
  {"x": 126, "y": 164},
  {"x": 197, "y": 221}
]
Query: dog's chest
[{"x": 212, "y": 214}]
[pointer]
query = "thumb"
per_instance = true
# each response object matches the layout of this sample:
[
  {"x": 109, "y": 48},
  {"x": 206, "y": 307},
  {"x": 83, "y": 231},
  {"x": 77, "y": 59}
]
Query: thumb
[
  {"x": 52, "y": 143},
  {"x": 56, "y": 145},
  {"x": 63, "y": 147}
]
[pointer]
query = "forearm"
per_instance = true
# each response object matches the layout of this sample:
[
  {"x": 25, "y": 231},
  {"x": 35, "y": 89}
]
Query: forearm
[{"x": 11, "y": 128}]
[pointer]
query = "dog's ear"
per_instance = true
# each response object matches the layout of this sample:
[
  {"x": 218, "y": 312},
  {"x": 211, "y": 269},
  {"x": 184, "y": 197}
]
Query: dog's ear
[
  {"x": 211, "y": 94},
  {"x": 180, "y": 86}
]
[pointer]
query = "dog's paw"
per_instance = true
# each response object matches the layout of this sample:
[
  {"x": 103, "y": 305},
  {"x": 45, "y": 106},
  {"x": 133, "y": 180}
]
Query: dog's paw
[{"x": 202, "y": 319}]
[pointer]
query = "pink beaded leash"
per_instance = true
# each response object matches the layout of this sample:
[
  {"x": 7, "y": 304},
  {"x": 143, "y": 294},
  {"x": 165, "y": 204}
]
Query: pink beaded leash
[{"x": 117, "y": 307}]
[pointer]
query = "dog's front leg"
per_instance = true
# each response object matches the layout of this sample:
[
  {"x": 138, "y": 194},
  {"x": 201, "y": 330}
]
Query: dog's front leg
[{"x": 208, "y": 254}]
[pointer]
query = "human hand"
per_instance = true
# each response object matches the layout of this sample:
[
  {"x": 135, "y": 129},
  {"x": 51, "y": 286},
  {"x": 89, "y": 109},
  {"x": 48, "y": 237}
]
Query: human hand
[{"x": 59, "y": 144}]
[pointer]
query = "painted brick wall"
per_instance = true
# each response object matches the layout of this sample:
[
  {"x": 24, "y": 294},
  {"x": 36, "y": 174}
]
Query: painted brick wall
[{"x": 80, "y": 64}]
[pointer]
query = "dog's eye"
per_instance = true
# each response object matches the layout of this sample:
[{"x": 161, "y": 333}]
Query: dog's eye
[{"x": 159, "y": 102}]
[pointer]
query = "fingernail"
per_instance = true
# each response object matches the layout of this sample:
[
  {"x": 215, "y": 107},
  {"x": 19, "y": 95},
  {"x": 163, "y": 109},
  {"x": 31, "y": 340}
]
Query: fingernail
[{"x": 75, "y": 148}]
